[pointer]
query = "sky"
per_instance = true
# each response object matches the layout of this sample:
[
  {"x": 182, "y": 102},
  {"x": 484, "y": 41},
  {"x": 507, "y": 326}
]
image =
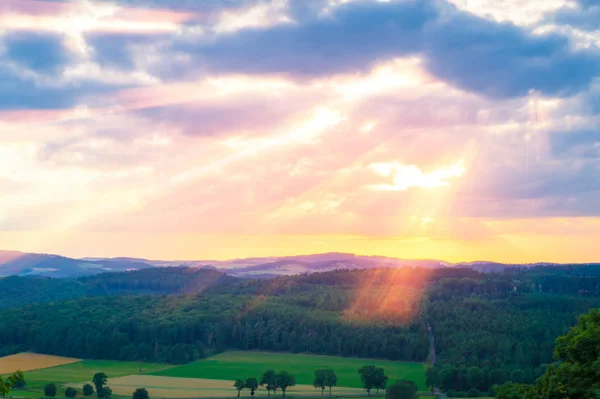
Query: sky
[{"x": 184, "y": 129}]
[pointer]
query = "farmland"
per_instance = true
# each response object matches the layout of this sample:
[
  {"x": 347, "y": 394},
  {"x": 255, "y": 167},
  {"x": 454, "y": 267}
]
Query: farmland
[
  {"x": 85, "y": 370},
  {"x": 211, "y": 377},
  {"x": 238, "y": 364},
  {"x": 31, "y": 361},
  {"x": 171, "y": 387},
  {"x": 39, "y": 370}
]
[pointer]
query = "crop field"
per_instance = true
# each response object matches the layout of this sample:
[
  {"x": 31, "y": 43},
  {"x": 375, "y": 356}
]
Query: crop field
[
  {"x": 31, "y": 361},
  {"x": 212, "y": 377},
  {"x": 171, "y": 387},
  {"x": 85, "y": 370},
  {"x": 237, "y": 364}
]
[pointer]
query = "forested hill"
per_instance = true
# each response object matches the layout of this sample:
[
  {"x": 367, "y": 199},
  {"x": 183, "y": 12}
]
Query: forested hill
[
  {"x": 19, "y": 291},
  {"x": 488, "y": 328}
]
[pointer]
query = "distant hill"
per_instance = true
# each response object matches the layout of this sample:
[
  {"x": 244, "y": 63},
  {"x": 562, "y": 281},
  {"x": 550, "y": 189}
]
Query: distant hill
[{"x": 24, "y": 264}]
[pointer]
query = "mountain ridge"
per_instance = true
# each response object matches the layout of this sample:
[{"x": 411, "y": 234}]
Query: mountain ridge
[{"x": 51, "y": 265}]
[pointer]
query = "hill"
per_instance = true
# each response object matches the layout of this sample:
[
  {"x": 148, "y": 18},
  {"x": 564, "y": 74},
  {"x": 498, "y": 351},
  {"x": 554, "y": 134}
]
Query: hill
[
  {"x": 23, "y": 264},
  {"x": 497, "y": 325}
]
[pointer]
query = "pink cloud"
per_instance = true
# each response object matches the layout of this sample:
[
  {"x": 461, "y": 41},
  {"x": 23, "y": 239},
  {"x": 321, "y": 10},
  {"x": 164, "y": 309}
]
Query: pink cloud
[{"x": 35, "y": 8}]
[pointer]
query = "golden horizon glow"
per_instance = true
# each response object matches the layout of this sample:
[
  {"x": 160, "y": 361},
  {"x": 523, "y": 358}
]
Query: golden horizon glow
[{"x": 523, "y": 244}]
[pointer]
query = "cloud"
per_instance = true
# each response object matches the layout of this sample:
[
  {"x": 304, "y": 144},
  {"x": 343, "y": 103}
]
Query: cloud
[
  {"x": 476, "y": 54},
  {"x": 585, "y": 17},
  {"x": 502, "y": 60},
  {"x": 121, "y": 54},
  {"x": 353, "y": 39},
  {"x": 498, "y": 60},
  {"x": 193, "y": 5},
  {"x": 406, "y": 176}
]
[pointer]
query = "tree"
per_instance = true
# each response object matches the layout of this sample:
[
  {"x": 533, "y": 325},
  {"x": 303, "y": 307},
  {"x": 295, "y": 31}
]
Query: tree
[
  {"x": 380, "y": 379},
  {"x": 88, "y": 390},
  {"x": 100, "y": 381},
  {"x": 475, "y": 378},
  {"x": 402, "y": 389},
  {"x": 330, "y": 379},
  {"x": 577, "y": 376},
  {"x": 252, "y": 385},
  {"x": 4, "y": 388},
  {"x": 285, "y": 380},
  {"x": 239, "y": 384},
  {"x": 17, "y": 379},
  {"x": 518, "y": 376},
  {"x": 579, "y": 354},
  {"x": 70, "y": 392},
  {"x": 269, "y": 381},
  {"x": 50, "y": 390},
  {"x": 106, "y": 392},
  {"x": 511, "y": 390},
  {"x": 141, "y": 393},
  {"x": 372, "y": 377},
  {"x": 432, "y": 377},
  {"x": 319, "y": 380},
  {"x": 497, "y": 377}
]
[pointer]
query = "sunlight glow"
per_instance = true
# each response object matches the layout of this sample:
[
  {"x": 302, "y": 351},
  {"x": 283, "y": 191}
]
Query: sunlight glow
[{"x": 407, "y": 176}]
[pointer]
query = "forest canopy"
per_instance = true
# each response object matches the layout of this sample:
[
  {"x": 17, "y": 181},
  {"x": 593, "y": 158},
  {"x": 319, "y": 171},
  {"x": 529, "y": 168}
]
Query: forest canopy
[{"x": 488, "y": 328}]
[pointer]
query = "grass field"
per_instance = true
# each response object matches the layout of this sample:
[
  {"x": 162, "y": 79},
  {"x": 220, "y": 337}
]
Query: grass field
[
  {"x": 85, "y": 370},
  {"x": 31, "y": 361},
  {"x": 232, "y": 365}
]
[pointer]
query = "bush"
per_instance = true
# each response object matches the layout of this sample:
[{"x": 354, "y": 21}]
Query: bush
[
  {"x": 141, "y": 393},
  {"x": 50, "y": 390},
  {"x": 88, "y": 390},
  {"x": 473, "y": 393},
  {"x": 403, "y": 389},
  {"x": 104, "y": 392},
  {"x": 70, "y": 392}
]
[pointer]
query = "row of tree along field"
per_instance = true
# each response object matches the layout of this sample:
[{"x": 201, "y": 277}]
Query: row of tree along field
[
  {"x": 371, "y": 378},
  {"x": 489, "y": 328}
]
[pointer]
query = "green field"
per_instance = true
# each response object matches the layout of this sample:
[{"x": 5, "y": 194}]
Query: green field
[
  {"x": 85, "y": 370},
  {"x": 81, "y": 371},
  {"x": 232, "y": 365},
  {"x": 214, "y": 375},
  {"x": 24, "y": 393}
]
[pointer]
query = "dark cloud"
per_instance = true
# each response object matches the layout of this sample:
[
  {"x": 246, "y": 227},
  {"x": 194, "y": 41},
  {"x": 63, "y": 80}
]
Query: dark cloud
[
  {"x": 476, "y": 54},
  {"x": 38, "y": 52},
  {"x": 503, "y": 60},
  {"x": 352, "y": 40},
  {"x": 473, "y": 53}
]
